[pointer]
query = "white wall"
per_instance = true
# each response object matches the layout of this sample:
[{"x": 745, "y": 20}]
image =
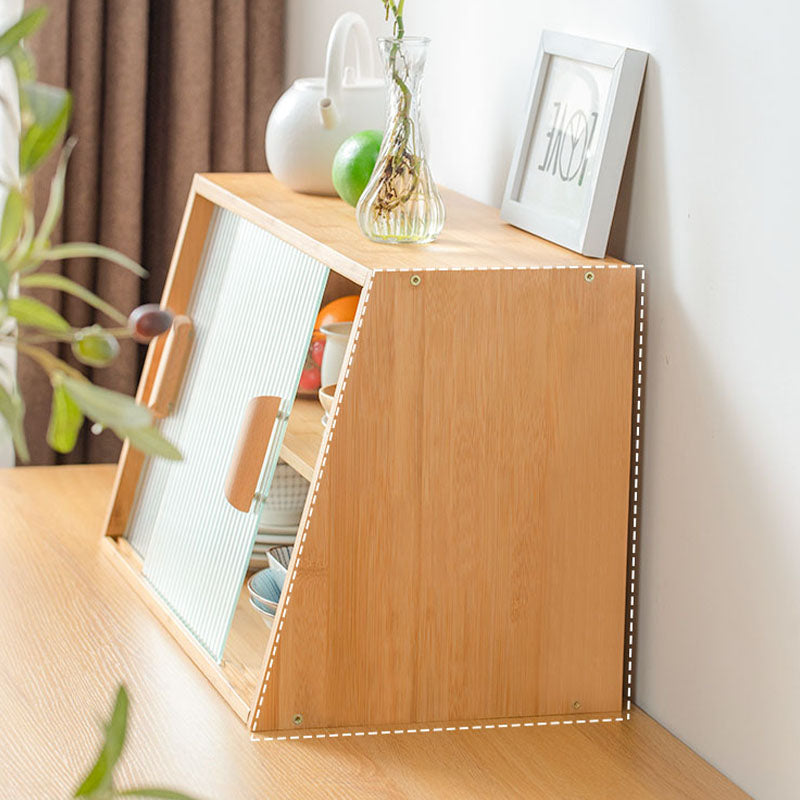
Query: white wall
[{"x": 712, "y": 209}]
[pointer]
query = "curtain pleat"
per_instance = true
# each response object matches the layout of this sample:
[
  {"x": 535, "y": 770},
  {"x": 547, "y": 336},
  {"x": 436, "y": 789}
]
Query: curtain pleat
[
  {"x": 52, "y": 51},
  {"x": 120, "y": 185},
  {"x": 162, "y": 89},
  {"x": 263, "y": 61},
  {"x": 228, "y": 140},
  {"x": 81, "y": 215}
]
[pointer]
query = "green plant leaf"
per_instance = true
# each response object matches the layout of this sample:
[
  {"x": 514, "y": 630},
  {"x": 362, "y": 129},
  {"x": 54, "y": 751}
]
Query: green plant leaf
[
  {"x": 150, "y": 441},
  {"x": 20, "y": 257},
  {"x": 117, "y": 725},
  {"x": 32, "y": 312},
  {"x": 110, "y": 409},
  {"x": 65, "y": 421},
  {"x": 5, "y": 279},
  {"x": 55, "y": 202},
  {"x": 99, "y": 778},
  {"x": 46, "y": 280},
  {"x": 24, "y": 27},
  {"x": 89, "y": 250},
  {"x": 94, "y": 346},
  {"x": 151, "y": 791},
  {"x": 23, "y": 63},
  {"x": 49, "y": 107},
  {"x": 13, "y": 216},
  {"x": 12, "y": 409}
]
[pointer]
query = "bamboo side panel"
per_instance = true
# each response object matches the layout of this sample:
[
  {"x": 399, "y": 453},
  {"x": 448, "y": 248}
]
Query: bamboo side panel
[{"x": 465, "y": 553}]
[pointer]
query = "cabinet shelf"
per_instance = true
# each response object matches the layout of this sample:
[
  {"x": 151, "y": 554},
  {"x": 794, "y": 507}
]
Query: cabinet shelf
[{"x": 303, "y": 436}]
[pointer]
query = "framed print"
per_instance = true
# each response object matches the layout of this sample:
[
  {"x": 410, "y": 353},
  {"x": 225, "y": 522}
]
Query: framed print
[{"x": 568, "y": 161}]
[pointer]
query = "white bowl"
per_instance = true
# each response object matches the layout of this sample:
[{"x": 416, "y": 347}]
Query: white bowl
[
  {"x": 326, "y": 395},
  {"x": 286, "y": 499}
]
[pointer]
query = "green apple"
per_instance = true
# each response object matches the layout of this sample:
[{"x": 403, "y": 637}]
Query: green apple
[{"x": 353, "y": 164}]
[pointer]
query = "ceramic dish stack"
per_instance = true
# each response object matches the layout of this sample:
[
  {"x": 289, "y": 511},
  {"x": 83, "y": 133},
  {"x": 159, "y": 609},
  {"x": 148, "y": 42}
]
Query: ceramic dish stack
[
  {"x": 265, "y": 586},
  {"x": 280, "y": 517}
]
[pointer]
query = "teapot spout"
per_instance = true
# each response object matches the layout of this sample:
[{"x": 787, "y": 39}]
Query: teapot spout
[{"x": 328, "y": 113}]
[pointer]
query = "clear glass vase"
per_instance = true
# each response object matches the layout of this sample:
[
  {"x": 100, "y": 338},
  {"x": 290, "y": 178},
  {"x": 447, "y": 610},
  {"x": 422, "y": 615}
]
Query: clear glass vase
[{"x": 401, "y": 203}]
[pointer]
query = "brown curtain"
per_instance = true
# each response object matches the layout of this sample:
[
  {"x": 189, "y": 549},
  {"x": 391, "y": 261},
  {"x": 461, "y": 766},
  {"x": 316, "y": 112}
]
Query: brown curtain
[{"x": 162, "y": 89}]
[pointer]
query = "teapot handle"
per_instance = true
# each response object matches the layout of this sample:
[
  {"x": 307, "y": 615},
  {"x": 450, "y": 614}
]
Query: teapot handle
[{"x": 334, "y": 63}]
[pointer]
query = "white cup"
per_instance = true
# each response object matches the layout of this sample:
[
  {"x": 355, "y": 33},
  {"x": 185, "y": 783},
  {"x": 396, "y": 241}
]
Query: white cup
[{"x": 337, "y": 334}]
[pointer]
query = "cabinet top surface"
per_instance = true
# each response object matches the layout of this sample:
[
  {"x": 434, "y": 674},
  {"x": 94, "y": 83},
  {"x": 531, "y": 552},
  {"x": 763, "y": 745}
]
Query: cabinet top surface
[{"x": 474, "y": 236}]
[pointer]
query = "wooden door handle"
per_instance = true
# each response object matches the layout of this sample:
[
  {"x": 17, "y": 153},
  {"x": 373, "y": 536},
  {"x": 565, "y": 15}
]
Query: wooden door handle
[
  {"x": 171, "y": 367},
  {"x": 250, "y": 449}
]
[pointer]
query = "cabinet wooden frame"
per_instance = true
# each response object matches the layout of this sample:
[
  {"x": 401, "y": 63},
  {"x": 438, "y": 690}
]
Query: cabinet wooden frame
[{"x": 463, "y": 551}]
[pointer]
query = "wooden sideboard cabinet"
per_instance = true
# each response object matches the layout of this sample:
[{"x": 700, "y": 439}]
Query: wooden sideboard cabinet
[{"x": 463, "y": 556}]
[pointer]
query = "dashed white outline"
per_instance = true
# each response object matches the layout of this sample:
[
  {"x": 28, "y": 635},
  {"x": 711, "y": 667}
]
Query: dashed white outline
[
  {"x": 634, "y": 529},
  {"x": 635, "y": 495},
  {"x": 436, "y": 729}
]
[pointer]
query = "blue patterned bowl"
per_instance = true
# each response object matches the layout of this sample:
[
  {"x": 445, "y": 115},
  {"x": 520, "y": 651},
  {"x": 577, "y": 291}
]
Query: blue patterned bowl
[
  {"x": 264, "y": 588},
  {"x": 278, "y": 557}
]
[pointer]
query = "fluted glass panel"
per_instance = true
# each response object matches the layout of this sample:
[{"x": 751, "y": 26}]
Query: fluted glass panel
[{"x": 254, "y": 305}]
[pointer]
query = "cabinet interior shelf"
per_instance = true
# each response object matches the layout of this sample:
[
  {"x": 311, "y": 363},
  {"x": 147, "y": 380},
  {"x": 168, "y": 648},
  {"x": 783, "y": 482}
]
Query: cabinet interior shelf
[{"x": 303, "y": 437}]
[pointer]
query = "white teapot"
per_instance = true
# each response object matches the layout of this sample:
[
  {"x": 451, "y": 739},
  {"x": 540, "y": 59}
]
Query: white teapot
[{"x": 315, "y": 115}]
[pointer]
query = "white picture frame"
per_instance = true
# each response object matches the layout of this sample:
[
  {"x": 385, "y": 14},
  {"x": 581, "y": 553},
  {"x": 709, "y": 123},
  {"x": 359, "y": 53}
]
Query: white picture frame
[{"x": 568, "y": 160}]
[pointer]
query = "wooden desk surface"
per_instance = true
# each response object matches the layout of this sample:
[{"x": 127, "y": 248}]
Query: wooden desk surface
[{"x": 71, "y": 629}]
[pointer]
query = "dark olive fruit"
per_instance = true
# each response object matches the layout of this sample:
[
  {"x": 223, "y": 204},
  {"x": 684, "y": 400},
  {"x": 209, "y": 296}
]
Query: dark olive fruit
[
  {"x": 94, "y": 347},
  {"x": 148, "y": 321}
]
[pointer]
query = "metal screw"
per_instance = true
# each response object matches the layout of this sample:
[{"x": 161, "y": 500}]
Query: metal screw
[
  {"x": 576, "y": 705},
  {"x": 416, "y": 280},
  {"x": 297, "y": 719},
  {"x": 588, "y": 276}
]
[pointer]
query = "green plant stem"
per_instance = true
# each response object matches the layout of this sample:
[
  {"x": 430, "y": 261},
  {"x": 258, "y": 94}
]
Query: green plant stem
[
  {"x": 48, "y": 362},
  {"x": 396, "y": 10},
  {"x": 401, "y": 168},
  {"x": 52, "y": 337}
]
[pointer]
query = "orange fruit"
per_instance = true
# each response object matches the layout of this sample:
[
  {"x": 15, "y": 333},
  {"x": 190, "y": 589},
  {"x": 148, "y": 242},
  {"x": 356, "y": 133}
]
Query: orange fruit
[{"x": 343, "y": 309}]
